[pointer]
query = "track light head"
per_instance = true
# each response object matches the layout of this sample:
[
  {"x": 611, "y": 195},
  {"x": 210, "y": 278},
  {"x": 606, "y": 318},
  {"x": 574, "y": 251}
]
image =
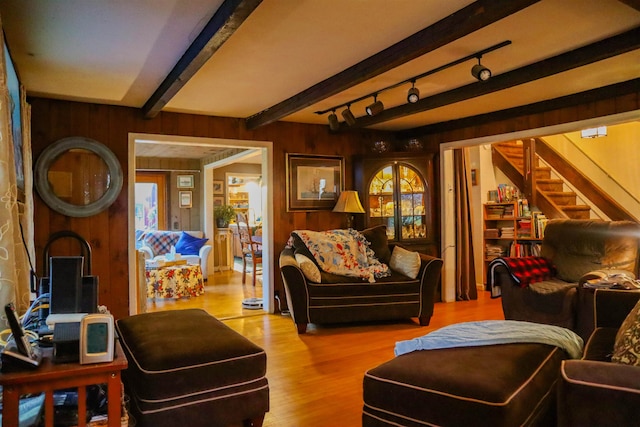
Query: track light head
[
  {"x": 348, "y": 116},
  {"x": 413, "y": 95},
  {"x": 333, "y": 121},
  {"x": 375, "y": 108},
  {"x": 480, "y": 72}
]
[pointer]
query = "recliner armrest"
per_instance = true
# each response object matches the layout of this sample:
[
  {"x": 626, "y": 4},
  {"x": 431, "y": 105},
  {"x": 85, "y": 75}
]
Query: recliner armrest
[
  {"x": 613, "y": 306},
  {"x": 598, "y": 394}
]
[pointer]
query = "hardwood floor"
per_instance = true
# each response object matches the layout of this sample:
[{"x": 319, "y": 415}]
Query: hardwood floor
[{"x": 315, "y": 379}]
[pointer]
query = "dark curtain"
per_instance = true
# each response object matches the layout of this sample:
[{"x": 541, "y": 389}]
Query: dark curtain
[{"x": 465, "y": 267}]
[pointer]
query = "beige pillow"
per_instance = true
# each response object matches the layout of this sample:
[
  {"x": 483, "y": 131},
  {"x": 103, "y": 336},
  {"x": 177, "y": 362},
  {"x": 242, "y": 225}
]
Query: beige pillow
[
  {"x": 308, "y": 267},
  {"x": 626, "y": 349},
  {"x": 405, "y": 262}
]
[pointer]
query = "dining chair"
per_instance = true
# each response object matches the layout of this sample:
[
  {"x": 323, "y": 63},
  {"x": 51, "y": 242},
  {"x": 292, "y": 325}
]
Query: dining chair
[{"x": 251, "y": 250}]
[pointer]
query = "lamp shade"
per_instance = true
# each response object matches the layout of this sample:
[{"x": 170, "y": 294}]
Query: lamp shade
[{"x": 349, "y": 202}]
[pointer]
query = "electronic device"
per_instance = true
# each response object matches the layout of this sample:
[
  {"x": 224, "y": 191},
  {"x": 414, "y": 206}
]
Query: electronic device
[
  {"x": 66, "y": 342},
  {"x": 18, "y": 353},
  {"x": 96, "y": 338},
  {"x": 65, "y": 281}
]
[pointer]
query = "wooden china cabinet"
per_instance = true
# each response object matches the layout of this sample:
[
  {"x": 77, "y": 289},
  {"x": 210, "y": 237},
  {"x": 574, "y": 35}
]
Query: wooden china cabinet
[{"x": 399, "y": 191}]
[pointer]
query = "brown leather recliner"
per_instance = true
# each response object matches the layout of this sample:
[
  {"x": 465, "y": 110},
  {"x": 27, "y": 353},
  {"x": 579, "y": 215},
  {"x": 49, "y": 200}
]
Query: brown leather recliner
[{"x": 573, "y": 248}]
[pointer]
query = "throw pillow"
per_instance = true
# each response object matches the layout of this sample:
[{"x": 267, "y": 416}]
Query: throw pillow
[
  {"x": 626, "y": 349},
  {"x": 405, "y": 262},
  {"x": 189, "y": 245},
  {"x": 377, "y": 236},
  {"x": 309, "y": 268},
  {"x": 299, "y": 246}
]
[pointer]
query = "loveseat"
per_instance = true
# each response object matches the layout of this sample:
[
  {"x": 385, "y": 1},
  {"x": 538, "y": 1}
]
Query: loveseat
[
  {"x": 191, "y": 245},
  {"x": 544, "y": 289},
  {"x": 595, "y": 391},
  {"x": 322, "y": 297}
]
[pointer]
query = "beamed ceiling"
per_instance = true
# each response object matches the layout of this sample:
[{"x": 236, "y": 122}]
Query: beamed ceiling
[{"x": 270, "y": 60}]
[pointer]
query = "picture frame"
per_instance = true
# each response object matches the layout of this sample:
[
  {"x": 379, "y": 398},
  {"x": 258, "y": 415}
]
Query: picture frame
[
  {"x": 218, "y": 186},
  {"x": 218, "y": 201},
  {"x": 185, "y": 199},
  {"x": 314, "y": 182},
  {"x": 185, "y": 181}
]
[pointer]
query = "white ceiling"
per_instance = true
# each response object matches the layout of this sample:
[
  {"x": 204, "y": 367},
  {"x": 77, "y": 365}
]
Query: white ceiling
[{"x": 118, "y": 52}]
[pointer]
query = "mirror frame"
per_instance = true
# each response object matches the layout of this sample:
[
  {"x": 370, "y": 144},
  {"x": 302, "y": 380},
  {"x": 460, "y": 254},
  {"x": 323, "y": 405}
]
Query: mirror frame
[{"x": 51, "y": 153}]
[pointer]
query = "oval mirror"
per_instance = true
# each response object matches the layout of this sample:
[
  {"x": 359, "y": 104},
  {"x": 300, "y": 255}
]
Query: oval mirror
[{"x": 78, "y": 176}]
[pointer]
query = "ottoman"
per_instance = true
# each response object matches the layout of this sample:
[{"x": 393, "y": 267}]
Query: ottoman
[
  {"x": 493, "y": 385},
  {"x": 187, "y": 368}
]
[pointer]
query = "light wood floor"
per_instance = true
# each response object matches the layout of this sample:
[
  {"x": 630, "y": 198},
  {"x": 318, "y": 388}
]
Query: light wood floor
[{"x": 315, "y": 379}]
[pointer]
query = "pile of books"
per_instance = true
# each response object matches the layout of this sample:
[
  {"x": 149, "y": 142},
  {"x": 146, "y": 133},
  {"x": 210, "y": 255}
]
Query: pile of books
[
  {"x": 494, "y": 251},
  {"x": 507, "y": 232}
]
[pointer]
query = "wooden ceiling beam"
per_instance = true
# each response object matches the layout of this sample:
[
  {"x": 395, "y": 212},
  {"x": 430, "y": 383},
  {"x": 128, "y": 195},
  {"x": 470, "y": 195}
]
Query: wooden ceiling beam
[
  {"x": 594, "y": 52},
  {"x": 632, "y": 3},
  {"x": 630, "y": 87},
  {"x": 227, "y": 19},
  {"x": 459, "y": 24}
]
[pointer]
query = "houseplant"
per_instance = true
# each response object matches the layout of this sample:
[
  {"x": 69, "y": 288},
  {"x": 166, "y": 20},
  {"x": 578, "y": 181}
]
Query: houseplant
[{"x": 223, "y": 214}]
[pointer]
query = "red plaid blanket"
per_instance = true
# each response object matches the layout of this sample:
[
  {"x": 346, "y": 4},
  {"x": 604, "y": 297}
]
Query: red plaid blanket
[{"x": 527, "y": 270}]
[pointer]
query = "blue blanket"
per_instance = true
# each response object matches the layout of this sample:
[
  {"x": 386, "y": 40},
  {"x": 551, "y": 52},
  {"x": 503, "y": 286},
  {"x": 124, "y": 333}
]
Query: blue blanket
[{"x": 488, "y": 332}]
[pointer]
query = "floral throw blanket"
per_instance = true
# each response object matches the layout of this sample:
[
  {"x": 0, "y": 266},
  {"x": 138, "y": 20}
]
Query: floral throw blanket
[{"x": 343, "y": 252}]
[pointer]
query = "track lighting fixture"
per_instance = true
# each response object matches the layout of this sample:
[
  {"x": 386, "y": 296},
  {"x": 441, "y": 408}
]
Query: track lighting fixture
[
  {"x": 348, "y": 116},
  {"x": 480, "y": 72},
  {"x": 333, "y": 121},
  {"x": 376, "y": 107},
  {"x": 413, "y": 95}
]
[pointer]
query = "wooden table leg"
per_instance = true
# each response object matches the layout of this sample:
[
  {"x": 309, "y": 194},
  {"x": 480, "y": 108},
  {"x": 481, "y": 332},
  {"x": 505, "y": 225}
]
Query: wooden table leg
[
  {"x": 114, "y": 403},
  {"x": 10, "y": 401}
]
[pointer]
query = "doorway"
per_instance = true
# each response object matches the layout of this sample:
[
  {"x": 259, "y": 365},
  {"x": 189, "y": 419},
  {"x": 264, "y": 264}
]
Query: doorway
[
  {"x": 448, "y": 232},
  {"x": 233, "y": 152}
]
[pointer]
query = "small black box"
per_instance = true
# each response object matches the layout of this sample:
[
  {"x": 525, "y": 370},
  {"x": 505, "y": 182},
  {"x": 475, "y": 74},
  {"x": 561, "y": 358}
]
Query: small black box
[{"x": 66, "y": 342}]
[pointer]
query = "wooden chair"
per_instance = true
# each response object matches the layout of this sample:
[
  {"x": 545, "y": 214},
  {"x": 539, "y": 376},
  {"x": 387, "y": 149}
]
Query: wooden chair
[{"x": 251, "y": 250}]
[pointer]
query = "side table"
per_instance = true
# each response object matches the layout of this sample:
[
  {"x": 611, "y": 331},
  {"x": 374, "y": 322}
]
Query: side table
[
  {"x": 224, "y": 259},
  {"x": 50, "y": 376}
]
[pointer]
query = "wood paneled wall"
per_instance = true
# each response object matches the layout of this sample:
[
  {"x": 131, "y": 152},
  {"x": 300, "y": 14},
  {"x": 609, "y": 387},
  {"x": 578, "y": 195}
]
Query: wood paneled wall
[{"x": 111, "y": 125}]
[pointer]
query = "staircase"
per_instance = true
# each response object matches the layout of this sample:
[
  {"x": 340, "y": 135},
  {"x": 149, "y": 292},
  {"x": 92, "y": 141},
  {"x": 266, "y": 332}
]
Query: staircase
[{"x": 548, "y": 193}]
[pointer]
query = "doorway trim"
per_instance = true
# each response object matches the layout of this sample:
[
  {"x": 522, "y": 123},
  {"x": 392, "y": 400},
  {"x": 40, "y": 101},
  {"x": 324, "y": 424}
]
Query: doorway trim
[
  {"x": 447, "y": 227},
  {"x": 267, "y": 223}
]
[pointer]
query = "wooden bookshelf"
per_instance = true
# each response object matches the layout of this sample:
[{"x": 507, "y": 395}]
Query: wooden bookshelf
[{"x": 508, "y": 233}]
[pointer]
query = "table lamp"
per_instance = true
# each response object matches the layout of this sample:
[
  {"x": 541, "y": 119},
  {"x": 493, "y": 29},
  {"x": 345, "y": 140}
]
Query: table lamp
[{"x": 349, "y": 203}]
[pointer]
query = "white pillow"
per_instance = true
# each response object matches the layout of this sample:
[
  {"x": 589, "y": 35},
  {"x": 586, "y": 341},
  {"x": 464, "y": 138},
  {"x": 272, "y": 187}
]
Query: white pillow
[
  {"x": 405, "y": 262},
  {"x": 309, "y": 268}
]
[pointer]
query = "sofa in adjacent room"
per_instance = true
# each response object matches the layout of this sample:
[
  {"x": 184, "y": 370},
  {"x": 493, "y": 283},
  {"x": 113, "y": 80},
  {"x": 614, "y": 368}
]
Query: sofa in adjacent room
[
  {"x": 544, "y": 289},
  {"x": 317, "y": 296},
  {"x": 191, "y": 245}
]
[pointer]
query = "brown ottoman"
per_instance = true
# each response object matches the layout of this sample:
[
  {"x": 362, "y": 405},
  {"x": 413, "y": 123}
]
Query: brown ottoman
[
  {"x": 493, "y": 385},
  {"x": 186, "y": 368}
]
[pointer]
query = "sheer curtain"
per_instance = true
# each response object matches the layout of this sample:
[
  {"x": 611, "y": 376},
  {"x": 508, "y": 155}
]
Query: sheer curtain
[
  {"x": 465, "y": 267},
  {"x": 14, "y": 265}
]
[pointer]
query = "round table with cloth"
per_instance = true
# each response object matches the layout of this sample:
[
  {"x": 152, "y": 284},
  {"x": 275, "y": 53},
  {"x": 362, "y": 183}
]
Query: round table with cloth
[{"x": 175, "y": 281}]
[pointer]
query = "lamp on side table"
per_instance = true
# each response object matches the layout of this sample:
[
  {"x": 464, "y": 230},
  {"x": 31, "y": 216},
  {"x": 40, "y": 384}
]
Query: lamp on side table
[{"x": 349, "y": 203}]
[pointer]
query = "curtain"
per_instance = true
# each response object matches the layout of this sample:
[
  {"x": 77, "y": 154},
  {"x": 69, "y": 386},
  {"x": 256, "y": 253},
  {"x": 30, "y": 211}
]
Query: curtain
[
  {"x": 14, "y": 266},
  {"x": 465, "y": 267}
]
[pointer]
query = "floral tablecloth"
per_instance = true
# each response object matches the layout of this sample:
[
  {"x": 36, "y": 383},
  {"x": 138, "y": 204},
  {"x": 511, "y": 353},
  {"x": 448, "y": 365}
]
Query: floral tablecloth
[{"x": 175, "y": 282}]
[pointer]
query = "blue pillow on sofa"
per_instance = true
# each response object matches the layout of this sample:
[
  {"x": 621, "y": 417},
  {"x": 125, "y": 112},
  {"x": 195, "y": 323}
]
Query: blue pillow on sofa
[{"x": 189, "y": 245}]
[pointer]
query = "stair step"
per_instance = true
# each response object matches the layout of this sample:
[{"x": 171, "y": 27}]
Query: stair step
[
  {"x": 577, "y": 211},
  {"x": 550, "y": 184},
  {"x": 562, "y": 198},
  {"x": 543, "y": 173}
]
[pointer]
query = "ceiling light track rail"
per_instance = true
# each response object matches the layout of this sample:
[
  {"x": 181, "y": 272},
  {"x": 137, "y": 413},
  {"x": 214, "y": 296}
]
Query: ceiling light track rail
[{"x": 412, "y": 80}]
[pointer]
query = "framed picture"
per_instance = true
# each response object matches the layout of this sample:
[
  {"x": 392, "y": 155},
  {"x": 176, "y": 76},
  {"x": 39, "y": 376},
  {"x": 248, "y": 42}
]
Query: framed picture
[
  {"x": 185, "y": 199},
  {"x": 218, "y": 201},
  {"x": 218, "y": 186},
  {"x": 313, "y": 182},
  {"x": 185, "y": 181}
]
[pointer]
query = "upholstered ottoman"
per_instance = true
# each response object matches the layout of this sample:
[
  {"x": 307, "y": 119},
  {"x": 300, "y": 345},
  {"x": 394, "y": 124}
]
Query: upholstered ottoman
[
  {"x": 186, "y": 368},
  {"x": 493, "y": 385}
]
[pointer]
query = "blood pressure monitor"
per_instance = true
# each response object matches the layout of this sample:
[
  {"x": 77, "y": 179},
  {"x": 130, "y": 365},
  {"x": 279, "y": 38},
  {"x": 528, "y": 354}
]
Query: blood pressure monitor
[{"x": 96, "y": 338}]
